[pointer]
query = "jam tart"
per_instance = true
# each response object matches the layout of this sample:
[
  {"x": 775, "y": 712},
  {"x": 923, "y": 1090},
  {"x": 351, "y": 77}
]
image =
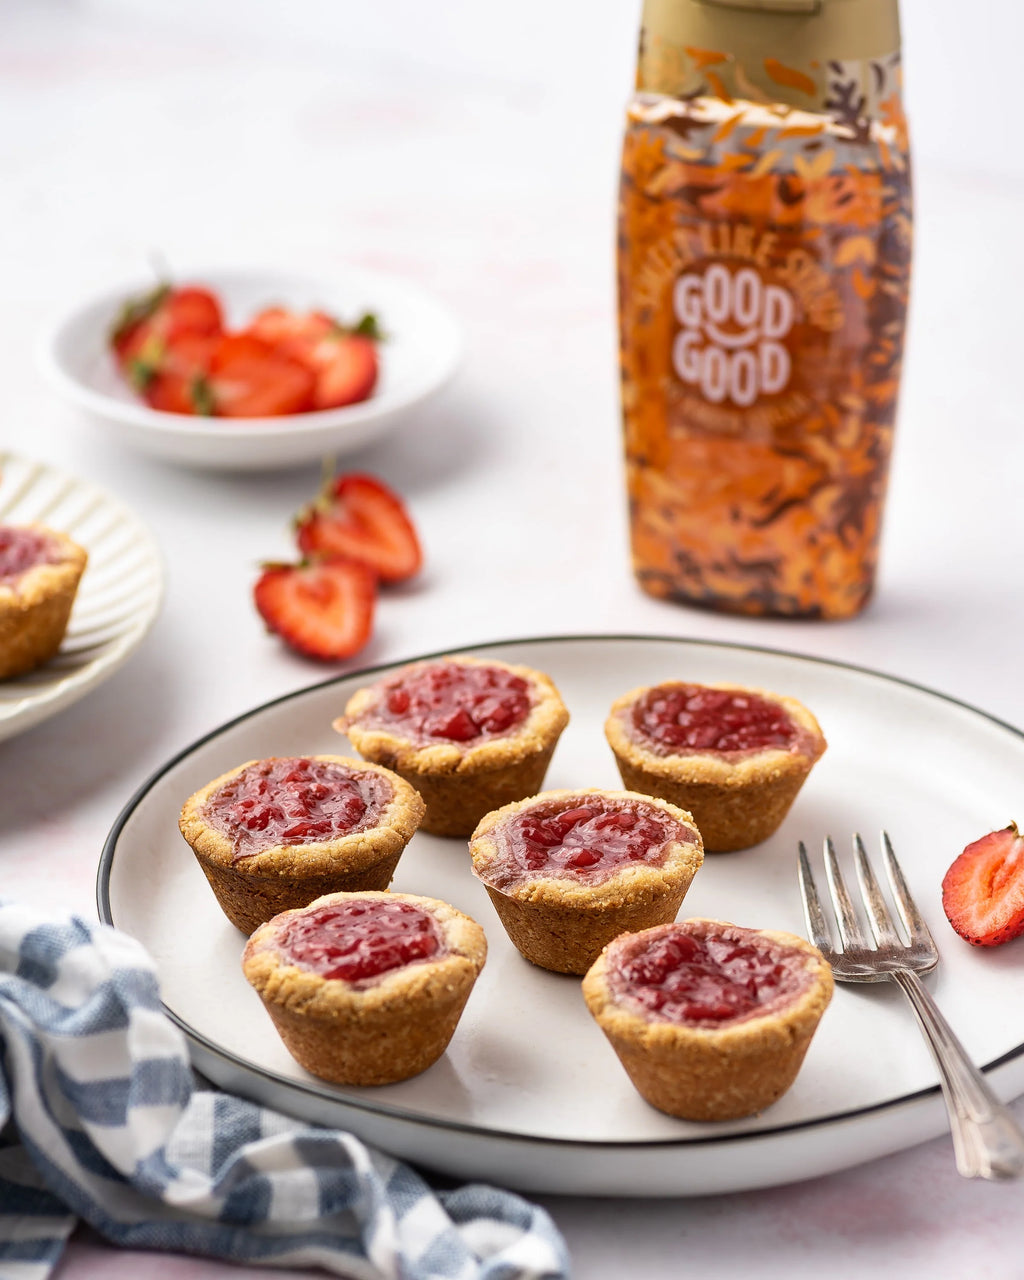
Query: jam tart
[
  {"x": 276, "y": 833},
  {"x": 366, "y": 988},
  {"x": 709, "y": 1020},
  {"x": 733, "y": 757},
  {"x": 469, "y": 734},
  {"x": 567, "y": 871},
  {"x": 40, "y": 569}
]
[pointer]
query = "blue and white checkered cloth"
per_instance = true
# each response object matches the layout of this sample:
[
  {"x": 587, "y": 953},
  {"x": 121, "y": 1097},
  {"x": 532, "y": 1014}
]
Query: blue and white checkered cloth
[{"x": 103, "y": 1124}]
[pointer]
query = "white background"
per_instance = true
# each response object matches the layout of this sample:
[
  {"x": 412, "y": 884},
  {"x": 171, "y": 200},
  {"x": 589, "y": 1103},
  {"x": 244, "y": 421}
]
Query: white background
[{"x": 473, "y": 149}]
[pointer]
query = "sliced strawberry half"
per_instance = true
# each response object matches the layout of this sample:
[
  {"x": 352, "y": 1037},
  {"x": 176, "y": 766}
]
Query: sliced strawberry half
[
  {"x": 249, "y": 378},
  {"x": 358, "y": 516},
  {"x": 346, "y": 370},
  {"x": 163, "y": 342},
  {"x": 983, "y": 891},
  {"x": 155, "y": 321},
  {"x": 343, "y": 357},
  {"x": 297, "y": 334},
  {"x": 323, "y": 609}
]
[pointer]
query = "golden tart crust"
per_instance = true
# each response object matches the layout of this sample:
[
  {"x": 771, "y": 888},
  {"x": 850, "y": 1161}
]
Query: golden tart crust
[
  {"x": 254, "y": 888},
  {"x": 460, "y": 783},
  {"x": 36, "y": 605},
  {"x": 373, "y": 1034},
  {"x": 737, "y": 800},
  {"x": 561, "y": 923},
  {"x": 701, "y": 1072}
]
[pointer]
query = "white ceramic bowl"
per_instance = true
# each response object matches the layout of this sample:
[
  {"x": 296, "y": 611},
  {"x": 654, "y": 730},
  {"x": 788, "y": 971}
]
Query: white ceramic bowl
[{"x": 420, "y": 354}]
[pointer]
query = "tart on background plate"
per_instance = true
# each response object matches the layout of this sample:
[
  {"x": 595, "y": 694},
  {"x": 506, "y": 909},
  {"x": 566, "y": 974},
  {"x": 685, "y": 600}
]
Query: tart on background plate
[
  {"x": 366, "y": 988},
  {"x": 568, "y": 871},
  {"x": 40, "y": 569},
  {"x": 276, "y": 833},
  {"x": 734, "y": 757},
  {"x": 710, "y": 1021},
  {"x": 470, "y": 734}
]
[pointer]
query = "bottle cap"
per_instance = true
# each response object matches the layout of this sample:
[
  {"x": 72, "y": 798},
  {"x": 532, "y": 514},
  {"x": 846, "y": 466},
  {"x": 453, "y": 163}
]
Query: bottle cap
[{"x": 778, "y": 51}]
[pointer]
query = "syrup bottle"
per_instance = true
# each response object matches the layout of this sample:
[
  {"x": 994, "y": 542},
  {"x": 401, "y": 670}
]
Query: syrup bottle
[{"x": 764, "y": 266}]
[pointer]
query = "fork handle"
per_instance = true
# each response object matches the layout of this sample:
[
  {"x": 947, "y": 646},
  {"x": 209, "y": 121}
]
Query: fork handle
[{"x": 987, "y": 1141}]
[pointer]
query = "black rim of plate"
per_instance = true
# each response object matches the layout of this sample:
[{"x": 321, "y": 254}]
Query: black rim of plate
[{"x": 388, "y": 1111}]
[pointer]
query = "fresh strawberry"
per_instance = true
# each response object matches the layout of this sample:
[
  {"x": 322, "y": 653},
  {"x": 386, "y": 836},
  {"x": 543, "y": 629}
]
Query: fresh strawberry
[
  {"x": 169, "y": 331},
  {"x": 359, "y": 517},
  {"x": 323, "y": 608},
  {"x": 346, "y": 370},
  {"x": 344, "y": 358},
  {"x": 289, "y": 331},
  {"x": 192, "y": 309},
  {"x": 248, "y": 378},
  {"x": 170, "y": 393},
  {"x": 983, "y": 891}
]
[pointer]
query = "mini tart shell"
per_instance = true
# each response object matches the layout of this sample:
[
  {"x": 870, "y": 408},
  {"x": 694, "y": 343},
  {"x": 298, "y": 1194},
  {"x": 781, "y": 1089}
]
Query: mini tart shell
[
  {"x": 459, "y": 784},
  {"x": 560, "y": 923},
  {"x": 376, "y": 1034},
  {"x": 735, "y": 803},
  {"x": 257, "y": 887},
  {"x": 719, "y": 1073},
  {"x": 36, "y": 605}
]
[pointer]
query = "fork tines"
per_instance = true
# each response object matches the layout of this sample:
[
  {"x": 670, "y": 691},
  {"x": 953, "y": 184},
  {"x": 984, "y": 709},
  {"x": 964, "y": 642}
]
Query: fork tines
[{"x": 883, "y": 928}]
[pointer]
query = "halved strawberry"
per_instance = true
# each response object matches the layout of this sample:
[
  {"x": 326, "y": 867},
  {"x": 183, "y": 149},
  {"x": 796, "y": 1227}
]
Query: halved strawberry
[
  {"x": 290, "y": 331},
  {"x": 983, "y": 891},
  {"x": 150, "y": 323},
  {"x": 323, "y": 608},
  {"x": 343, "y": 357},
  {"x": 358, "y": 516},
  {"x": 193, "y": 309},
  {"x": 346, "y": 370},
  {"x": 248, "y": 378},
  {"x": 156, "y": 329},
  {"x": 170, "y": 393}
]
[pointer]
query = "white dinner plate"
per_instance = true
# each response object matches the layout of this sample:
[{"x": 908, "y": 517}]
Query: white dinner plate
[
  {"x": 421, "y": 352},
  {"x": 529, "y": 1094},
  {"x": 117, "y": 601}
]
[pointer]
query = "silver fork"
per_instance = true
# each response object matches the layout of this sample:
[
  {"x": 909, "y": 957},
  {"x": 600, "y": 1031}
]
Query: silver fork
[{"x": 987, "y": 1140}]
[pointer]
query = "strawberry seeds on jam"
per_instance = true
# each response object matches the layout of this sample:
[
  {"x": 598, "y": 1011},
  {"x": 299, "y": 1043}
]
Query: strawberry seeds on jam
[
  {"x": 686, "y": 976},
  {"x": 295, "y": 800},
  {"x": 361, "y": 939},
  {"x": 675, "y": 718},
  {"x": 452, "y": 702},
  {"x": 22, "y": 549},
  {"x": 590, "y": 841}
]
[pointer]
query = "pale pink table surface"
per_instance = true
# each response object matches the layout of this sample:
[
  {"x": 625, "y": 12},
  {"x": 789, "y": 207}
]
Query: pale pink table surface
[{"x": 473, "y": 149}]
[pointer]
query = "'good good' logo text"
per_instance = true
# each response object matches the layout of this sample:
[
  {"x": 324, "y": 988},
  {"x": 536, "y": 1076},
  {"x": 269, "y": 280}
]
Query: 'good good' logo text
[{"x": 730, "y": 344}]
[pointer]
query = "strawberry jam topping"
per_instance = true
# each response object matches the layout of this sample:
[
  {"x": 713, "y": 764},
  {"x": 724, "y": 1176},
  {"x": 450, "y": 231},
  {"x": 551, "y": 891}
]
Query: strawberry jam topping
[
  {"x": 22, "y": 549},
  {"x": 672, "y": 719},
  {"x": 295, "y": 800},
  {"x": 362, "y": 939},
  {"x": 587, "y": 838},
  {"x": 451, "y": 702},
  {"x": 690, "y": 974}
]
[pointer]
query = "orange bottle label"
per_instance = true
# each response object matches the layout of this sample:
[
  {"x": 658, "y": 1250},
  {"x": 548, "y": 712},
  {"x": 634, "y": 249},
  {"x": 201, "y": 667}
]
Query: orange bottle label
[{"x": 764, "y": 264}]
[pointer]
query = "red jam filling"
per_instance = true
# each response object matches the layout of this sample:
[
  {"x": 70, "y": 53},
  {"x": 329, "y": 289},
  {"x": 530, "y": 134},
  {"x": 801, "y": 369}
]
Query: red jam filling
[
  {"x": 295, "y": 801},
  {"x": 22, "y": 549},
  {"x": 672, "y": 719},
  {"x": 451, "y": 702},
  {"x": 362, "y": 939},
  {"x": 680, "y": 975},
  {"x": 589, "y": 840}
]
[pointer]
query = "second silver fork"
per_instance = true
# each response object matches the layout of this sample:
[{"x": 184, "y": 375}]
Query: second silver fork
[{"x": 987, "y": 1140}]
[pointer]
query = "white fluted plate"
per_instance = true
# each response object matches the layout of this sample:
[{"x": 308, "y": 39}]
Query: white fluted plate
[{"x": 117, "y": 601}]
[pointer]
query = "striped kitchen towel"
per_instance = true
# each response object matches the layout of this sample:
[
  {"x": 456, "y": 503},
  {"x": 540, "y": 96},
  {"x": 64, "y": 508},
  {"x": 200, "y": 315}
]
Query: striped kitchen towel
[{"x": 101, "y": 1122}]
